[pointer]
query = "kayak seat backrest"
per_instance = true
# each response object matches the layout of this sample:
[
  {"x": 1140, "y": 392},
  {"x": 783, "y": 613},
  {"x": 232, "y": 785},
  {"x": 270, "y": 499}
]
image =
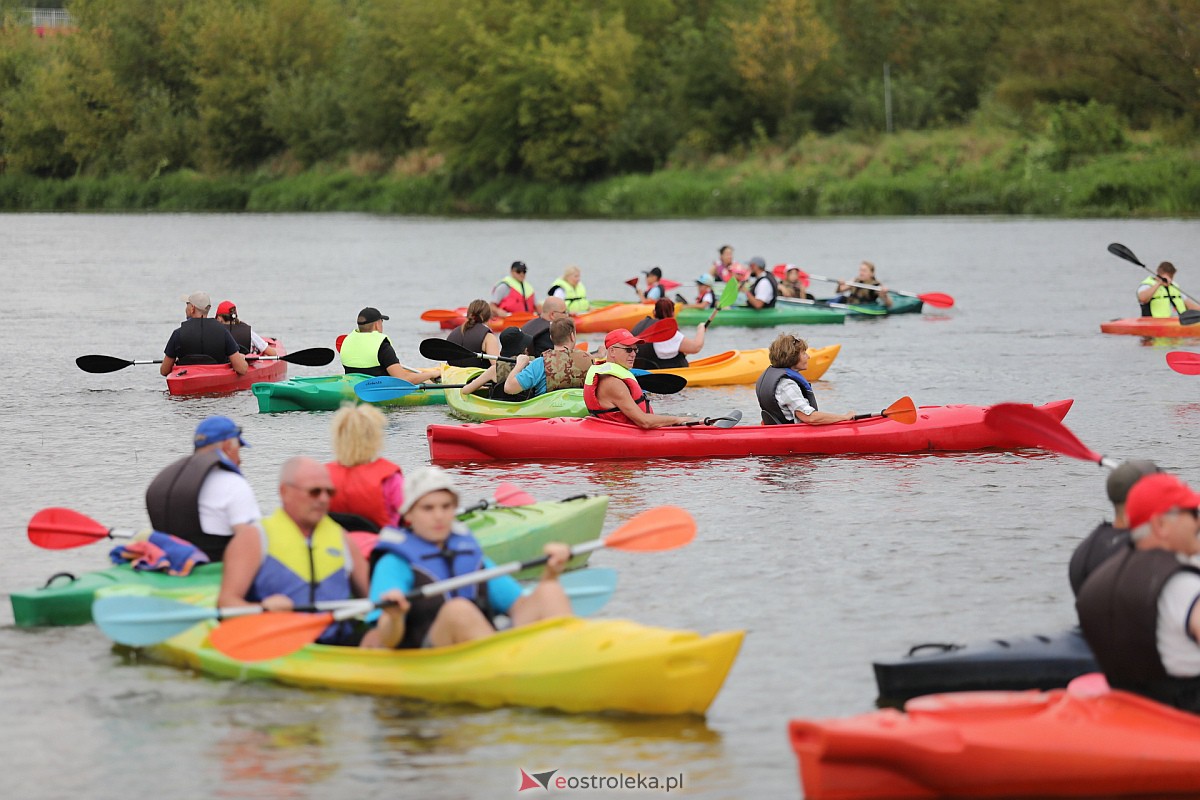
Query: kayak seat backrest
[
  {"x": 353, "y": 522},
  {"x": 191, "y": 361},
  {"x": 645, "y": 363},
  {"x": 770, "y": 419}
]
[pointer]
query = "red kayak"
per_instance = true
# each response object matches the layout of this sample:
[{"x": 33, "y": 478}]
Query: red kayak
[
  {"x": 957, "y": 427},
  {"x": 1152, "y": 326},
  {"x": 218, "y": 378},
  {"x": 1063, "y": 743}
]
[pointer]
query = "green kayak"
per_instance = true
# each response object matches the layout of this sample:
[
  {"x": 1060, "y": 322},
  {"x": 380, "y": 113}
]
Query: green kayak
[
  {"x": 327, "y": 394},
  {"x": 747, "y": 317},
  {"x": 561, "y": 403},
  {"x": 901, "y": 304},
  {"x": 507, "y": 533}
]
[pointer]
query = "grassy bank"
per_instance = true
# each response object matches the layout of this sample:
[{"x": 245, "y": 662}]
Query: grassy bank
[{"x": 943, "y": 172}]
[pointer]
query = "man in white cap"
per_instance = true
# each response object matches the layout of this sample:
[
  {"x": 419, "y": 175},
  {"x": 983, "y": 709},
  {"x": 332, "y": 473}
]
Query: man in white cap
[{"x": 200, "y": 340}]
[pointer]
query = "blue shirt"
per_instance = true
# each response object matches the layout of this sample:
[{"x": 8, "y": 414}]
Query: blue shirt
[
  {"x": 393, "y": 572},
  {"x": 533, "y": 376}
]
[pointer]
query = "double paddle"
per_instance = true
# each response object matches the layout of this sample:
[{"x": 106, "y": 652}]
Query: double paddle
[
  {"x": 936, "y": 299},
  {"x": 903, "y": 411},
  {"x": 258, "y": 637},
  {"x": 312, "y": 357},
  {"x": 1190, "y": 317},
  {"x": 1033, "y": 427}
]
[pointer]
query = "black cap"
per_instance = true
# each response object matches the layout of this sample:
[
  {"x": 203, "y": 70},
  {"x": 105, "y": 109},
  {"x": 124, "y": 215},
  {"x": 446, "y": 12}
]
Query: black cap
[
  {"x": 655, "y": 271},
  {"x": 519, "y": 266},
  {"x": 369, "y": 315}
]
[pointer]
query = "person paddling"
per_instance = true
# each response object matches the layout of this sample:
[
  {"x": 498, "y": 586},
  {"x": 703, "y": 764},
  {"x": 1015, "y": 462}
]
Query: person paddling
[
  {"x": 784, "y": 395},
  {"x": 705, "y": 296},
  {"x": 200, "y": 340},
  {"x": 1108, "y": 538},
  {"x": 475, "y": 335},
  {"x": 858, "y": 295},
  {"x": 673, "y": 353},
  {"x": 248, "y": 341},
  {"x": 1160, "y": 297},
  {"x": 654, "y": 288},
  {"x": 563, "y": 366},
  {"x": 432, "y": 545},
  {"x": 611, "y": 392}
]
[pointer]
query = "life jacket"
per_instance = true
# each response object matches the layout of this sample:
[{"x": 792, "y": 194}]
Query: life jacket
[
  {"x": 473, "y": 341},
  {"x": 766, "y": 276},
  {"x": 765, "y": 390},
  {"x": 1162, "y": 301},
  {"x": 538, "y": 329},
  {"x": 563, "y": 369},
  {"x": 360, "y": 353},
  {"x": 520, "y": 296},
  {"x": 857, "y": 295},
  {"x": 724, "y": 273},
  {"x": 648, "y": 356},
  {"x": 592, "y": 403},
  {"x": 240, "y": 332},
  {"x": 360, "y": 489},
  {"x": 173, "y": 500},
  {"x": 574, "y": 296},
  {"x": 306, "y": 569},
  {"x": 202, "y": 341},
  {"x": 460, "y": 554},
  {"x": 1118, "y": 611},
  {"x": 1100, "y": 545},
  {"x": 706, "y": 297}
]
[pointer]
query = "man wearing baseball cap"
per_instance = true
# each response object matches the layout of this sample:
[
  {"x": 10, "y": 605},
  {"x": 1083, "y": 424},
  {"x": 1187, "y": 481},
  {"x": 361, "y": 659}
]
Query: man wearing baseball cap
[
  {"x": 1140, "y": 609},
  {"x": 513, "y": 293},
  {"x": 200, "y": 340},
  {"x": 610, "y": 390},
  {"x": 203, "y": 498},
  {"x": 762, "y": 289},
  {"x": 367, "y": 351},
  {"x": 1109, "y": 538}
]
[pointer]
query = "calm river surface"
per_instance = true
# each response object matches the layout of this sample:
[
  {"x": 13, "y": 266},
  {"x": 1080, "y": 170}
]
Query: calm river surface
[{"x": 827, "y": 562}]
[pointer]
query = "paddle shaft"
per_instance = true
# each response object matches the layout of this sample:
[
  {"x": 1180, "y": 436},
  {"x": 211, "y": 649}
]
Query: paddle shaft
[
  {"x": 870, "y": 312},
  {"x": 860, "y": 285},
  {"x": 1125, "y": 254}
]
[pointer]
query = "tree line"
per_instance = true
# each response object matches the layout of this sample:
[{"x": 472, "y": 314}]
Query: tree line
[{"x": 570, "y": 92}]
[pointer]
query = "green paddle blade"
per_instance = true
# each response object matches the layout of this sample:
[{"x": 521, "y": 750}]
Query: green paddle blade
[{"x": 729, "y": 295}]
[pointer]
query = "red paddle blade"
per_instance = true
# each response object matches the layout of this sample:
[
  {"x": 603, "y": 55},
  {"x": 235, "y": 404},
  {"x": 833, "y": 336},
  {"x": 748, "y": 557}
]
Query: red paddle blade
[
  {"x": 509, "y": 495},
  {"x": 660, "y": 331},
  {"x": 1033, "y": 427},
  {"x": 668, "y": 285},
  {"x": 338, "y": 342},
  {"x": 265, "y": 636},
  {"x": 1183, "y": 362},
  {"x": 632, "y": 282},
  {"x": 662, "y": 528},
  {"x": 903, "y": 411},
  {"x": 937, "y": 299},
  {"x": 62, "y": 528}
]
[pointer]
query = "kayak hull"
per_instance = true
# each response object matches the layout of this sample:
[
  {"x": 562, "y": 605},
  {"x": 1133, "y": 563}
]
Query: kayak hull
[
  {"x": 609, "y": 318},
  {"x": 569, "y": 664},
  {"x": 561, "y": 403},
  {"x": 901, "y": 304},
  {"x": 507, "y": 533},
  {"x": 1011, "y": 664},
  {"x": 747, "y": 317},
  {"x": 743, "y": 367},
  {"x": 1168, "y": 327},
  {"x": 328, "y": 393},
  {"x": 196, "y": 379},
  {"x": 1062, "y": 743},
  {"x": 938, "y": 428}
]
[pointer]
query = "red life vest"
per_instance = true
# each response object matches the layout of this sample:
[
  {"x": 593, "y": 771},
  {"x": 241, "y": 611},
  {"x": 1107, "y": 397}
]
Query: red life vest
[
  {"x": 520, "y": 296},
  {"x": 360, "y": 489},
  {"x": 592, "y": 403}
]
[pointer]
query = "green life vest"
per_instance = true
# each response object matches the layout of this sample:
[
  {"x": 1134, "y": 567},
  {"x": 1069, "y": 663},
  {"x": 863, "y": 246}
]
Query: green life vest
[
  {"x": 361, "y": 350},
  {"x": 1163, "y": 298},
  {"x": 574, "y": 296}
]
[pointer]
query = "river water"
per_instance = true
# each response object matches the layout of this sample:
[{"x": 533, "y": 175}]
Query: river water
[{"x": 826, "y": 562}]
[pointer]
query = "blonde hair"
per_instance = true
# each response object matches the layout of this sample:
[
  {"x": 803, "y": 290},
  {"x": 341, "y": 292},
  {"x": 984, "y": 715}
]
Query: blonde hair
[
  {"x": 785, "y": 351},
  {"x": 357, "y": 434},
  {"x": 571, "y": 270},
  {"x": 869, "y": 266}
]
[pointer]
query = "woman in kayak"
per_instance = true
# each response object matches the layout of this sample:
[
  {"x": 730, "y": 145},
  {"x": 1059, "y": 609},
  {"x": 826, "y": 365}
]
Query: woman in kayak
[
  {"x": 784, "y": 395},
  {"x": 611, "y": 392},
  {"x": 475, "y": 335},
  {"x": 724, "y": 268},
  {"x": 859, "y": 295},
  {"x": 367, "y": 484},
  {"x": 433, "y": 546},
  {"x": 673, "y": 353}
]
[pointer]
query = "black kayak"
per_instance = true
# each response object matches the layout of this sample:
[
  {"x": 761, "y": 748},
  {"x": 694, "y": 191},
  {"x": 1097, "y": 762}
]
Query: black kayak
[{"x": 1028, "y": 662}]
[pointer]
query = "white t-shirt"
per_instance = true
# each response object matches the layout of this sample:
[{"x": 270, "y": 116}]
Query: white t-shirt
[
  {"x": 1180, "y": 653},
  {"x": 226, "y": 499},
  {"x": 669, "y": 348},
  {"x": 257, "y": 343},
  {"x": 763, "y": 290},
  {"x": 791, "y": 399}
]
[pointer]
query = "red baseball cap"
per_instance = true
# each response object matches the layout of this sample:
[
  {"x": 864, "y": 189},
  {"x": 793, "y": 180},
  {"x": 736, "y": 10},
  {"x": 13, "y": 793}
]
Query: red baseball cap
[
  {"x": 1157, "y": 494},
  {"x": 621, "y": 336},
  {"x": 227, "y": 307}
]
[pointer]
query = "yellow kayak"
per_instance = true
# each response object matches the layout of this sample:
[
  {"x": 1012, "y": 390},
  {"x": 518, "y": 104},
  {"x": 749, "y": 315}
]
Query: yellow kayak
[
  {"x": 570, "y": 664},
  {"x": 736, "y": 367}
]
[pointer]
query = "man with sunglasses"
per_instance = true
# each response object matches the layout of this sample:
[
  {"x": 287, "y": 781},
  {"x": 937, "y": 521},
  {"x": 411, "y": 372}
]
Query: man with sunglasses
[
  {"x": 200, "y": 340},
  {"x": 300, "y": 557},
  {"x": 1140, "y": 609},
  {"x": 513, "y": 294},
  {"x": 204, "y": 498},
  {"x": 610, "y": 390}
]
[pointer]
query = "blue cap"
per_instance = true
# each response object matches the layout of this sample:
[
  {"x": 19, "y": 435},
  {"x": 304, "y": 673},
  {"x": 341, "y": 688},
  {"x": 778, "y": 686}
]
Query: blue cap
[{"x": 217, "y": 429}]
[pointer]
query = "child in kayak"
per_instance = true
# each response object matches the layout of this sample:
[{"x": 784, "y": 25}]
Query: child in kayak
[{"x": 431, "y": 545}]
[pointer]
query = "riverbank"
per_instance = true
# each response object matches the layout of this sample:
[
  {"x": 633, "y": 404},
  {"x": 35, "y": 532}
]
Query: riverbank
[{"x": 958, "y": 172}]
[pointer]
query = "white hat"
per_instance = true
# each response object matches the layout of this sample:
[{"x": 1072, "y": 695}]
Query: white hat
[
  {"x": 421, "y": 482},
  {"x": 200, "y": 300}
]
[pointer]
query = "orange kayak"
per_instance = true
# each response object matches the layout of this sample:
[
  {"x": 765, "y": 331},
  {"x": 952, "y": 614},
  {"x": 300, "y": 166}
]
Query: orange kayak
[
  {"x": 740, "y": 367},
  {"x": 450, "y": 318},
  {"x": 1151, "y": 326},
  {"x": 1074, "y": 742},
  {"x": 609, "y": 318}
]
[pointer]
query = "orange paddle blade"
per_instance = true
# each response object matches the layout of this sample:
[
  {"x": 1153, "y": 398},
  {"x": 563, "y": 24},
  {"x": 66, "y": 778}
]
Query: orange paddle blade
[
  {"x": 62, "y": 528},
  {"x": 441, "y": 314},
  {"x": 903, "y": 410},
  {"x": 265, "y": 636},
  {"x": 662, "y": 528}
]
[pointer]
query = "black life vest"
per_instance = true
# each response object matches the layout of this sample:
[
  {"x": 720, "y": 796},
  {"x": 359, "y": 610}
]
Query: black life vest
[
  {"x": 202, "y": 341},
  {"x": 648, "y": 357},
  {"x": 240, "y": 332},
  {"x": 473, "y": 341},
  {"x": 766, "y": 276},
  {"x": 538, "y": 329},
  {"x": 765, "y": 390},
  {"x": 172, "y": 500},
  {"x": 1100, "y": 545}
]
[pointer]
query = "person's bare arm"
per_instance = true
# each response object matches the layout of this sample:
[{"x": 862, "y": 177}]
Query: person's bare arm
[{"x": 613, "y": 391}]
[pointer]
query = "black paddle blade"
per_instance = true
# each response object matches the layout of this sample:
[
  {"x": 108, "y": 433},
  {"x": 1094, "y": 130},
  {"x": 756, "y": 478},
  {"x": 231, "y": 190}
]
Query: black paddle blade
[
  {"x": 441, "y": 350},
  {"x": 662, "y": 383},
  {"x": 727, "y": 421},
  {"x": 312, "y": 357},
  {"x": 101, "y": 364},
  {"x": 1189, "y": 318},
  {"x": 1121, "y": 251}
]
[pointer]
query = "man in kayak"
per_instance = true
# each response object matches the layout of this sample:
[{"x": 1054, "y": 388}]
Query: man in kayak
[
  {"x": 784, "y": 395},
  {"x": 1109, "y": 538},
  {"x": 673, "y": 353},
  {"x": 610, "y": 390},
  {"x": 1140, "y": 609},
  {"x": 200, "y": 340},
  {"x": 432, "y": 545},
  {"x": 203, "y": 498},
  {"x": 538, "y": 328},
  {"x": 1160, "y": 297},
  {"x": 858, "y": 295},
  {"x": 247, "y": 340},
  {"x": 300, "y": 556},
  {"x": 762, "y": 289},
  {"x": 563, "y": 366},
  {"x": 367, "y": 351},
  {"x": 513, "y": 294},
  {"x": 571, "y": 290}
]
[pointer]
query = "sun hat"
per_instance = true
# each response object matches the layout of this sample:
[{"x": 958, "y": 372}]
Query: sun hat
[
  {"x": 514, "y": 342},
  {"x": 421, "y": 482}
]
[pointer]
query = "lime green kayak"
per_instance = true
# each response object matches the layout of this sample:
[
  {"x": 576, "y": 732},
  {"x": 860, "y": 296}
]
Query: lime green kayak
[
  {"x": 561, "y": 403},
  {"x": 507, "y": 533},
  {"x": 571, "y": 664},
  {"x": 747, "y": 317},
  {"x": 327, "y": 393}
]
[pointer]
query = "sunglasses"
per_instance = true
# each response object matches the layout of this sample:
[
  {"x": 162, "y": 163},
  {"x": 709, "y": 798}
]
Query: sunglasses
[
  {"x": 1195, "y": 512},
  {"x": 315, "y": 491},
  {"x": 623, "y": 347}
]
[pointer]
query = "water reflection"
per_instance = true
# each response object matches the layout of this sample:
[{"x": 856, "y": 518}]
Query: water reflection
[{"x": 273, "y": 760}]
